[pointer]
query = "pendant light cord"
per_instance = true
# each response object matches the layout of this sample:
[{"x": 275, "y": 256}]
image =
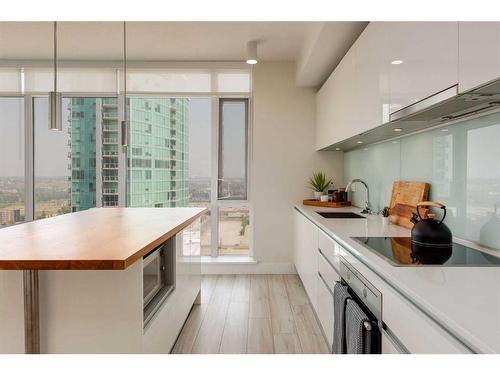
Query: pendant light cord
[
  {"x": 125, "y": 69},
  {"x": 55, "y": 56}
]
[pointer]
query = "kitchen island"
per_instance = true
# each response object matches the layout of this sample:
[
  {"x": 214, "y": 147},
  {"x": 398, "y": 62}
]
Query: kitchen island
[{"x": 74, "y": 283}]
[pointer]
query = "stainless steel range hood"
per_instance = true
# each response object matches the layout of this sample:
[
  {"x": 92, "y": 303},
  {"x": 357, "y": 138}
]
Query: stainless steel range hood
[{"x": 443, "y": 107}]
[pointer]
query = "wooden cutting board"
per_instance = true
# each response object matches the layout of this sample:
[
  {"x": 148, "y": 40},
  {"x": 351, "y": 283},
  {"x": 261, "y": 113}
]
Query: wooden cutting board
[{"x": 404, "y": 199}]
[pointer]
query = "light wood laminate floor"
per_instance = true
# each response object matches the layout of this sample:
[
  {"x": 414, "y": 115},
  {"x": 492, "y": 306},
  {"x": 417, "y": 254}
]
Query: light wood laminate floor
[{"x": 251, "y": 314}]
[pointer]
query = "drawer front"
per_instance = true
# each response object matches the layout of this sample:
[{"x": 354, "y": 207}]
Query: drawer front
[
  {"x": 329, "y": 248},
  {"x": 388, "y": 347},
  {"x": 324, "y": 310},
  {"x": 416, "y": 331},
  {"x": 330, "y": 276}
]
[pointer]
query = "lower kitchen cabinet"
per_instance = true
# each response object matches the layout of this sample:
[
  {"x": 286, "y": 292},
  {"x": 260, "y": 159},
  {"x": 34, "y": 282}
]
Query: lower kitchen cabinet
[
  {"x": 388, "y": 345},
  {"x": 407, "y": 329},
  {"x": 325, "y": 310},
  {"x": 418, "y": 333},
  {"x": 305, "y": 254}
]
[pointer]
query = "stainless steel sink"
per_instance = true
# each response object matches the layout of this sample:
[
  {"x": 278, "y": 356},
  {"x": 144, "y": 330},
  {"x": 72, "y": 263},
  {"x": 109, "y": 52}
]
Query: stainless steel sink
[{"x": 340, "y": 215}]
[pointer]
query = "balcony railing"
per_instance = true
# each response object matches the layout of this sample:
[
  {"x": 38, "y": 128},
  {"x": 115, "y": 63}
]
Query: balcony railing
[
  {"x": 110, "y": 178},
  {"x": 109, "y": 141},
  {"x": 110, "y": 165}
]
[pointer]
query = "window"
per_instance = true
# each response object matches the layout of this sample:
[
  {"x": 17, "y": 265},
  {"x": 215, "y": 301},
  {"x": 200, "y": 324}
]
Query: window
[
  {"x": 234, "y": 230},
  {"x": 60, "y": 182},
  {"x": 12, "y": 180},
  {"x": 232, "y": 175}
]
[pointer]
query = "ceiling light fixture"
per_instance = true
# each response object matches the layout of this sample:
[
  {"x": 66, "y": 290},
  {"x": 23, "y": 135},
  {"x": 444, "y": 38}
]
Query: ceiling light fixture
[
  {"x": 398, "y": 129},
  {"x": 444, "y": 130},
  {"x": 338, "y": 149},
  {"x": 55, "y": 98},
  {"x": 252, "y": 53},
  {"x": 359, "y": 142},
  {"x": 396, "y": 62}
]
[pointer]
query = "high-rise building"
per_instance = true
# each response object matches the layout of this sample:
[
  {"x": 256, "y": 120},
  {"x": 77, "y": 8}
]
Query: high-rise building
[
  {"x": 158, "y": 170},
  {"x": 158, "y": 156},
  {"x": 82, "y": 129},
  {"x": 109, "y": 125}
]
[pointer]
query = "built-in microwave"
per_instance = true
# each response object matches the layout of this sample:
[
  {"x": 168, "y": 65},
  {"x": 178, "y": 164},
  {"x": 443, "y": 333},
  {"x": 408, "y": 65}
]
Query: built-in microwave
[{"x": 158, "y": 274}]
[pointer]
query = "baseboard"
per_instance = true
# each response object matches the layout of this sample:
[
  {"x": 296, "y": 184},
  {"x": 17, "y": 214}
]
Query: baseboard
[{"x": 258, "y": 268}]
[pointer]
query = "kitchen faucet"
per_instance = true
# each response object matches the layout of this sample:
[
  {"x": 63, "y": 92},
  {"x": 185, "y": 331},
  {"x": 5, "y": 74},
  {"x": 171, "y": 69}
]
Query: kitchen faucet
[{"x": 367, "y": 209}]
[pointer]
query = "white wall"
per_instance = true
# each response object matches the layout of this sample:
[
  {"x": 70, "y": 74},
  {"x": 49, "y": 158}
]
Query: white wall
[{"x": 283, "y": 159}]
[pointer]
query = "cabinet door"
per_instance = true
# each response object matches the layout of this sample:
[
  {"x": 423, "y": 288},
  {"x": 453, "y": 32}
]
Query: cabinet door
[
  {"x": 305, "y": 258},
  {"x": 337, "y": 104},
  {"x": 324, "y": 310},
  {"x": 388, "y": 347},
  {"x": 372, "y": 77},
  {"x": 429, "y": 55},
  {"x": 479, "y": 53}
]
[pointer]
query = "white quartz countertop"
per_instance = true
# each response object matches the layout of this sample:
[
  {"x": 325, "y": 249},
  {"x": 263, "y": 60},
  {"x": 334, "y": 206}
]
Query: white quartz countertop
[{"x": 465, "y": 300}]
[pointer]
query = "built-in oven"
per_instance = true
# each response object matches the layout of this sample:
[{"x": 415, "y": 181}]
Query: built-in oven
[
  {"x": 369, "y": 300},
  {"x": 158, "y": 277}
]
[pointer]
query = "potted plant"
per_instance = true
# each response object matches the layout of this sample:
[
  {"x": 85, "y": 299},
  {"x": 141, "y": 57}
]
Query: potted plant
[
  {"x": 385, "y": 212},
  {"x": 319, "y": 183}
]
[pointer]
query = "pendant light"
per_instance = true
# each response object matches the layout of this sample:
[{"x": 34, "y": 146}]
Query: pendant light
[
  {"x": 252, "y": 53},
  {"x": 55, "y": 98},
  {"x": 124, "y": 123}
]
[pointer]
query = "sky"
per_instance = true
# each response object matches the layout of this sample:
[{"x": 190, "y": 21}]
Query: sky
[{"x": 51, "y": 149}]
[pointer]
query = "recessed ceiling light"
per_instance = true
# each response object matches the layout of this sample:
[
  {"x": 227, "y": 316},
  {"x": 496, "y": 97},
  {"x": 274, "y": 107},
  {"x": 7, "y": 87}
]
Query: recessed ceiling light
[
  {"x": 444, "y": 130},
  {"x": 398, "y": 129},
  {"x": 395, "y": 141},
  {"x": 366, "y": 149},
  {"x": 359, "y": 142},
  {"x": 338, "y": 149},
  {"x": 396, "y": 62}
]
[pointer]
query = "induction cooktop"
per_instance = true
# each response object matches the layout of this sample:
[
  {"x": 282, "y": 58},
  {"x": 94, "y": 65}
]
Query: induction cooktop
[{"x": 397, "y": 251}]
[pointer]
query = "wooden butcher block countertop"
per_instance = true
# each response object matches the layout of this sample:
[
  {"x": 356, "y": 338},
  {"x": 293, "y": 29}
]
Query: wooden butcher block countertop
[{"x": 99, "y": 238}]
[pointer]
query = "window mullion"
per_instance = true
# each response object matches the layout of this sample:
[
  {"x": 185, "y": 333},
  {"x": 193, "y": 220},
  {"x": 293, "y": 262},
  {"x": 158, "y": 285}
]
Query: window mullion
[{"x": 29, "y": 150}]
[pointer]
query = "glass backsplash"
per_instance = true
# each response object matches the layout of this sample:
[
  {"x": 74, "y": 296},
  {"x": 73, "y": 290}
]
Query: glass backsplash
[{"x": 461, "y": 163}]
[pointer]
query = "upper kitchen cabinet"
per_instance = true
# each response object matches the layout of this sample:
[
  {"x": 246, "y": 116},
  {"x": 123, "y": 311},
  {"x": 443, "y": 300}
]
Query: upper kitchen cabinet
[
  {"x": 372, "y": 77},
  {"x": 423, "y": 59},
  {"x": 336, "y": 104},
  {"x": 355, "y": 98},
  {"x": 479, "y": 53}
]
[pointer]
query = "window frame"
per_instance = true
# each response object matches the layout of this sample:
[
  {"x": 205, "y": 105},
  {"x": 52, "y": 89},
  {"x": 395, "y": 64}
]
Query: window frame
[
  {"x": 216, "y": 203},
  {"x": 220, "y": 146},
  {"x": 216, "y": 104}
]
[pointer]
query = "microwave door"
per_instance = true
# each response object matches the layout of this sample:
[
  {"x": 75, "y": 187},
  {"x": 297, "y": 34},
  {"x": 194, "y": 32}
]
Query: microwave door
[{"x": 151, "y": 276}]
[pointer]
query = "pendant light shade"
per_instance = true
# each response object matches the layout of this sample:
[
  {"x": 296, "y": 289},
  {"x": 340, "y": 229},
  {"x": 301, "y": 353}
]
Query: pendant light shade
[
  {"x": 55, "y": 111},
  {"x": 252, "y": 53},
  {"x": 55, "y": 98}
]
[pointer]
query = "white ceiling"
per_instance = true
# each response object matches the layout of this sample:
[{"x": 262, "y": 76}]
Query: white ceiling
[{"x": 316, "y": 46}]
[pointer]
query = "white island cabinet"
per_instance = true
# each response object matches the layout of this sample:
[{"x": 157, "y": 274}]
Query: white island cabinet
[
  {"x": 94, "y": 270},
  {"x": 479, "y": 54}
]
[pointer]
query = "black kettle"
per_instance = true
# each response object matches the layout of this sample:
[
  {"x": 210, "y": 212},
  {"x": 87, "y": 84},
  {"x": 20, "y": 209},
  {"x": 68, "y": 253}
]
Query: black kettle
[{"x": 431, "y": 240}]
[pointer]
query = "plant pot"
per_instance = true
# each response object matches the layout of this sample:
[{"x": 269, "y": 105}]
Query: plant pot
[
  {"x": 324, "y": 198},
  {"x": 317, "y": 195}
]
